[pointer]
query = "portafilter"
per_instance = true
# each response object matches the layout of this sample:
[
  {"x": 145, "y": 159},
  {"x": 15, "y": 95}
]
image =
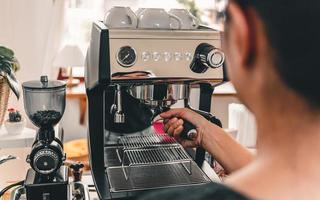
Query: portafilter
[{"x": 160, "y": 97}]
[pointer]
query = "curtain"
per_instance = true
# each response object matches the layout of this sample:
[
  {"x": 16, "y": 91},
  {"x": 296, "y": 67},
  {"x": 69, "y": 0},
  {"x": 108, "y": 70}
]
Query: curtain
[{"x": 34, "y": 30}]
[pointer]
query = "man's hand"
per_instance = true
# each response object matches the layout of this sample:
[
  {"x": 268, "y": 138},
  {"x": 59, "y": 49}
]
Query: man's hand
[{"x": 174, "y": 120}]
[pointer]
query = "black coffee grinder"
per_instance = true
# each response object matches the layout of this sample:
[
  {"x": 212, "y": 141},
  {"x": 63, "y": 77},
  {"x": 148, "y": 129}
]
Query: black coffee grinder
[{"x": 44, "y": 102}]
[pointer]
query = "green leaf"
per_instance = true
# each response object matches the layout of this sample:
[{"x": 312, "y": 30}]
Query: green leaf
[
  {"x": 5, "y": 52},
  {"x": 7, "y": 72},
  {"x": 15, "y": 64}
]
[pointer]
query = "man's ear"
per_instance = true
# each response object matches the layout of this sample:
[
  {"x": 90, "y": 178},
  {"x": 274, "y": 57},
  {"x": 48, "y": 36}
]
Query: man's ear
[{"x": 241, "y": 36}]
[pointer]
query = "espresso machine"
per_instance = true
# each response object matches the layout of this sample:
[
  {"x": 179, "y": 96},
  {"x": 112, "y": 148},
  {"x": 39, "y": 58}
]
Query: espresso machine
[{"x": 132, "y": 76}]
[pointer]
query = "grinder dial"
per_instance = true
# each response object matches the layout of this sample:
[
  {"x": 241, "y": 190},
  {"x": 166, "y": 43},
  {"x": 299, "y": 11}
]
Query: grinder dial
[{"x": 46, "y": 161}]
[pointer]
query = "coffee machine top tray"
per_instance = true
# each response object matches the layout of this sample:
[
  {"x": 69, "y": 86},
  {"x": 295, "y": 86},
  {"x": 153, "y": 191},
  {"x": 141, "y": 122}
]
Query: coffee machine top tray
[{"x": 202, "y": 32}]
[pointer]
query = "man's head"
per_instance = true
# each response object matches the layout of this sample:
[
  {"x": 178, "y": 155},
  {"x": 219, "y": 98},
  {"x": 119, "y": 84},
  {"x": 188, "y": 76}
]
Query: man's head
[{"x": 274, "y": 45}]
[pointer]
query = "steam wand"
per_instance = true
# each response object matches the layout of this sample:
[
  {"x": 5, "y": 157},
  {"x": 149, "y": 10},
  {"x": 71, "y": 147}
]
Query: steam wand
[{"x": 116, "y": 108}]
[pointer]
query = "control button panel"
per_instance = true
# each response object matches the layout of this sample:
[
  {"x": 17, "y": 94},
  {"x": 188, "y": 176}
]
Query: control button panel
[
  {"x": 127, "y": 56},
  {"x": 168, "y": 57}
]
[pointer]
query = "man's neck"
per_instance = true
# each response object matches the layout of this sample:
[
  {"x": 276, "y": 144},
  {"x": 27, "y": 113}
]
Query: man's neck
[
  {"x": 288, "y": 130},
  {"x": 288, "y": 159}
]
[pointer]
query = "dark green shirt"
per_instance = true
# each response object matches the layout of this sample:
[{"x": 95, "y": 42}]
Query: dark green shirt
[{"x": 212, "y": 191}]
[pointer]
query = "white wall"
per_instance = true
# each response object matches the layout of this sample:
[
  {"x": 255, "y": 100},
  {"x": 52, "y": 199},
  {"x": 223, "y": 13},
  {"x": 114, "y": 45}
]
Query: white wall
[
  {"x": 220, "y": 105},
  {"x": 32, "y": 28}
]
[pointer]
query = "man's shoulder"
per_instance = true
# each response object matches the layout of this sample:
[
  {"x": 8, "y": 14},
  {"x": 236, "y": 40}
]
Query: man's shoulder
[{"x": 208, "y": 191}]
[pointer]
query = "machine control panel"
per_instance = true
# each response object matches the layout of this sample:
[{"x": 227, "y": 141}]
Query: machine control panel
[
  {"x": 163, "y": 54},
  {"x": 127, "y": 56}
]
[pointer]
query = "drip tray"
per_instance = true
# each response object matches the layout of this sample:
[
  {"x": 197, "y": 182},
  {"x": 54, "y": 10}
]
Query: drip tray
[{"x": 155, "y": 177}]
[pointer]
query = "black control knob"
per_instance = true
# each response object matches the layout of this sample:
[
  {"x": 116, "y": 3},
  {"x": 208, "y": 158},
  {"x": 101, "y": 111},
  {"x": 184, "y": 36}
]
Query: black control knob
[
  {"x": 207, "y": 56},
  {"x": 76, "y": 169},
  {"x": 189, "y": 130}
]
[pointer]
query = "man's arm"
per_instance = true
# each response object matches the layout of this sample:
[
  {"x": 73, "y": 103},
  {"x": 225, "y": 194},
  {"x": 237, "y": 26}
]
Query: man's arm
[{"x": 226, "y": 150}]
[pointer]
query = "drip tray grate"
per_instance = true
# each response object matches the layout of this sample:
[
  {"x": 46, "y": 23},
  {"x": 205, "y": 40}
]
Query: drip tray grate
[
  {"x": 150, "y": 162},
  {"x": 155, "y": 156},
  {"x": 150, "y": 151},
  {"x": 149, "y": 141},
  {"x": 155, "y": 177},
  {"x": 159, "y": 155}
]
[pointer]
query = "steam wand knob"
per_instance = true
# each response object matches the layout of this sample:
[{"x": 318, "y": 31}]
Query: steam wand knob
[{"x": 207, "y": 56}]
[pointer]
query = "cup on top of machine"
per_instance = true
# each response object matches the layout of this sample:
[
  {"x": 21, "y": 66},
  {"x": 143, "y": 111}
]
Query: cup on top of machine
[
  {"x": 157, "y": 18},
  {"x": 120, "y": 17},
  {"x": 150, "y": 18},
  {"x": 188, "y": 20},
  {"x": 139, "y": 11}
]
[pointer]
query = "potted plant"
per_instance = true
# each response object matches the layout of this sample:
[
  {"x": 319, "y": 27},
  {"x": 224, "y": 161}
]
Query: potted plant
[
  {"x": 8, "y": 66},
  {"x": 15, "y": 123}
]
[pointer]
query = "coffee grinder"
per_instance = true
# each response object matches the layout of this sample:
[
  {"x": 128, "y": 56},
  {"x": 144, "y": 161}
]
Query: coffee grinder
[{"x": 44, "y": 102}]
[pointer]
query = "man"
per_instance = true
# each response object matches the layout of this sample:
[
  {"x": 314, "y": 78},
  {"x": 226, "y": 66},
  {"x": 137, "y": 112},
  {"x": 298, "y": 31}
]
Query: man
[{"x": 272, "y": 49}]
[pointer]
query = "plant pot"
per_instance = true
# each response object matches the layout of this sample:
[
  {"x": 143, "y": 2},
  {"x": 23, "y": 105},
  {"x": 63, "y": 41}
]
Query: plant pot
[
  {"x": 15, "y": 128},
  {"x": 4, "y": 98}
]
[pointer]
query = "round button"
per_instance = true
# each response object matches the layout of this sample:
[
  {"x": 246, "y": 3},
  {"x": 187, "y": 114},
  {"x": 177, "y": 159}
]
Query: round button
[
  {"x": 188, "y": 56},
  {"x": 156, "y": 56},
  {"x": 145, "y": 56},
  {"x": 177, "y": 56},
  {"x": 167, "y": 56}
]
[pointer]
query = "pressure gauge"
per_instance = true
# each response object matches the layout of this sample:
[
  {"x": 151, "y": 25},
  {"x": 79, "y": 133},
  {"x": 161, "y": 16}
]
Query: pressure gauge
[{"x": 126, "y": 56}]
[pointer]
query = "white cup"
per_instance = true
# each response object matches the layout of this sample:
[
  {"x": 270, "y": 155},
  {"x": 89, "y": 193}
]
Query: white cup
[
  {"x": 139, "y": 11},
  {"x": 188, "y": 21},
  {"x": 120, "y": 17},
  {"x": 157, "y": 18}
]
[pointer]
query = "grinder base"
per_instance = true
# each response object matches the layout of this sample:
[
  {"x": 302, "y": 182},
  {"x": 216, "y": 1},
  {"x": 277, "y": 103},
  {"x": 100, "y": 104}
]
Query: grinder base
[{"x": 56, "y": 189}]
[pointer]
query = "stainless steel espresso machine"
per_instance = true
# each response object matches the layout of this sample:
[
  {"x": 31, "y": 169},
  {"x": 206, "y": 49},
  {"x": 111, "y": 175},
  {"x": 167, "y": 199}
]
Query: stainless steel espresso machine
[{"x": 131, "y": 77}]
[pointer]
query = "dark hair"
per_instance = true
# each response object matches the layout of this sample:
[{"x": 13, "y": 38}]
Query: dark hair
[{"x": 293, "y": 30}]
